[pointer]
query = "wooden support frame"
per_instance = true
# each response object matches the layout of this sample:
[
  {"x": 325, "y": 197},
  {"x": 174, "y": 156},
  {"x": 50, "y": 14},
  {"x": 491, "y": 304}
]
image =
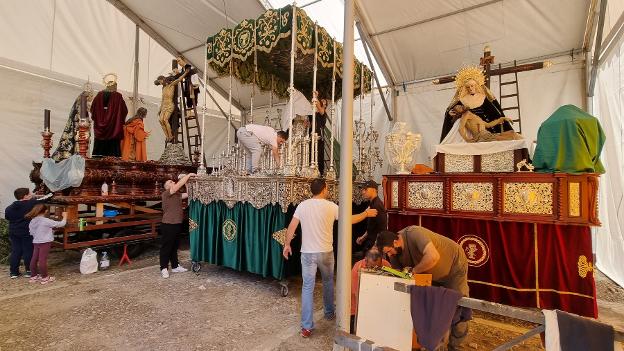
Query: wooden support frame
[{"x": 138, "y": 217}]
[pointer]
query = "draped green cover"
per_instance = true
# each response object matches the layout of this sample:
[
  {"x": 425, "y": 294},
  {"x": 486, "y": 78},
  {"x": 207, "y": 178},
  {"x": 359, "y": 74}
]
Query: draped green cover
[
  {"x": 569, "y": 141},
  {"x": 269, "y": 37},
  {"x": 252, "y": 248}
]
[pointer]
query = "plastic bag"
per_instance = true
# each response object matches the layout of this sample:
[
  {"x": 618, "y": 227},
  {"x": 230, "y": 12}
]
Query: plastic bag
[{"x": 89, "y": 262}]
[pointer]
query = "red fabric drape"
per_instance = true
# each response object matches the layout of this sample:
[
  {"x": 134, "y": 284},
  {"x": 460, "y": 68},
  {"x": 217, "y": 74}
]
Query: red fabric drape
[
  {"x": 503, "y": 261},
  {"x": 108, "y": 121}
]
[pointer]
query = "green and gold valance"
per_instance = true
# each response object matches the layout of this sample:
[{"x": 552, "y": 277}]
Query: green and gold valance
[{"x": 265, "y": 43}]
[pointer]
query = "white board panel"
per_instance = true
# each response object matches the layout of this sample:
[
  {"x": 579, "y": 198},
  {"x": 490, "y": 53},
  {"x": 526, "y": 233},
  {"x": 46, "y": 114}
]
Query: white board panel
[{"x": 383, "y": 313}]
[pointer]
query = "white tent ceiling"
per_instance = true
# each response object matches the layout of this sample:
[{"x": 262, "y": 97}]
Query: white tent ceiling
[
  {"x": 420, "y": 39},
  {"x": 182, "y": 26}
]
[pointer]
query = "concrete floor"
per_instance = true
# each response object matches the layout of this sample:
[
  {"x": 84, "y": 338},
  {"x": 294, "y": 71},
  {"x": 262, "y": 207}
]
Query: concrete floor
[{"x": 133, "y": 308}]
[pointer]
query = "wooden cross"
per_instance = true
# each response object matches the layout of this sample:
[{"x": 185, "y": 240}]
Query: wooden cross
[{"x": 487, "y": 60}]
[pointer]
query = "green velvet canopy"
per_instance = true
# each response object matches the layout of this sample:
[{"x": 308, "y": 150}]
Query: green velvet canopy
[{"x": 269, "y": 37}]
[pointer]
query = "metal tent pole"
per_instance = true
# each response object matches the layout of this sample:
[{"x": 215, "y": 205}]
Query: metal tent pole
[
  {"x": 135, "y": 86},
  {"x": 343, "y": 281}
]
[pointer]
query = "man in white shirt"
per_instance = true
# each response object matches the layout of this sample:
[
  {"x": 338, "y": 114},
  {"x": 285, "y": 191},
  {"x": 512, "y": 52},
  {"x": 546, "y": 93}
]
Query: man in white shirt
[
  {"x": 317, "y": 216},
  {"x": 253, "y": 136}
]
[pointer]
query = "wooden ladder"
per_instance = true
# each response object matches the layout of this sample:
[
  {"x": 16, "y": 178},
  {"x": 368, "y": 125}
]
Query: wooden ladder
[
  {"x": 193, "y": 131},
  {"x": 513, "y": 94}
]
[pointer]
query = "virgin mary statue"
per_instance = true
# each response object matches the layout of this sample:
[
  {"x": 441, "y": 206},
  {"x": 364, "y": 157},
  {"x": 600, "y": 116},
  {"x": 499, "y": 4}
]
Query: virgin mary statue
[{"x": 473, "y": 94}]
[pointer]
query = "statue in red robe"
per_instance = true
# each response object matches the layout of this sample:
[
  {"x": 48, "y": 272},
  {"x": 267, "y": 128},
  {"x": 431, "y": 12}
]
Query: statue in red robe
[{"x": 108, "y": 112}]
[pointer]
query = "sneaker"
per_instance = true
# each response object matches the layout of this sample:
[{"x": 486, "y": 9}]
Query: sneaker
[
  {"x": 34, "y": 279},
  {"x": 330, "y": 316},
  {"x": 28, "y": 274},
  {"x": 47, "y": 280},
  {"x": 179, "y": 269},
  {"x": 306, "y": 332},
  {"x": 165, "y": 273},
  {"x": 14, "y": 276}
]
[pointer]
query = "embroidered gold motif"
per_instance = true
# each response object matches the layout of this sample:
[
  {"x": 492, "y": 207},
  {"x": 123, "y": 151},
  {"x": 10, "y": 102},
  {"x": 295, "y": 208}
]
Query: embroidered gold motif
[
  {"x": 584, "y": 267},
  {"x": 280, "y": 236},
  {"x": 476, "y": 249},
  {"x": 192, "y": 225},
  {"x": 229, "y": 230}
]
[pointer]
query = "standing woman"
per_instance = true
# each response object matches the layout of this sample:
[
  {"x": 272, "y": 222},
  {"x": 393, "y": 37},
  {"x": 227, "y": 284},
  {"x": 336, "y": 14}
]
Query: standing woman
[
  {"x": 42, "y": 230},
  {"x": 171, "y": 227}
]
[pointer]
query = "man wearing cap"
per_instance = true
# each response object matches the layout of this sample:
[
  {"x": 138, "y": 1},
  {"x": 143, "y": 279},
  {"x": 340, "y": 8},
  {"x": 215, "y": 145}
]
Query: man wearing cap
[
  {"x": 427, "y": 252},
  {"x": 374, "y": 225}
]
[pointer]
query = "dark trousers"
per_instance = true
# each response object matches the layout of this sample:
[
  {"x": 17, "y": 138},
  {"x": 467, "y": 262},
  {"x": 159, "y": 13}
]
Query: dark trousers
[
  {"x": 169, "y": 243},
  {"x": 21, "y": 248},
  {"x": 39, "y": 261}
]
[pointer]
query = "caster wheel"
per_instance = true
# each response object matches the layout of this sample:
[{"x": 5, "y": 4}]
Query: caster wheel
[
  {"x": 196, "y": 267},
  {"x": 284, "y": 291}
]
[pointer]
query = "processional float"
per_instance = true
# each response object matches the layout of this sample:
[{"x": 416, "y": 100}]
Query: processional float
[{"x": 282, "y": 52}]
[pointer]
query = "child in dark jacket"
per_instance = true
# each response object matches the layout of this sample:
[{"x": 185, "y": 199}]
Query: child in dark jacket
[{"x": 21, "y": 241}]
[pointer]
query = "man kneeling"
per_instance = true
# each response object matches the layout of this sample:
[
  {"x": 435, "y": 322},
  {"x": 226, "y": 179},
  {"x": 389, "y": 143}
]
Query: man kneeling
[{"x": 429, "y": 252}]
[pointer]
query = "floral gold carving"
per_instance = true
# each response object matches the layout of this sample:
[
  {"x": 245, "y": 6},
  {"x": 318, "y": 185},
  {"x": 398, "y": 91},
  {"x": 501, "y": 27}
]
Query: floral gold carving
[
  {"x": 425, "y": 195},
  {"x": 574, "y": 199},
  {"x": 532, "y": 198},
  {"x": 473, "y": 197}
]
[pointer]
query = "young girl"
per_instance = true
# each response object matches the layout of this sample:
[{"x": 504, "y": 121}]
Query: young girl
[{"x": 41, "y": 229}]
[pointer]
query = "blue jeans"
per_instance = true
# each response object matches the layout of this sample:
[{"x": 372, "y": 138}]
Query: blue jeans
[{"x": 324, "y": 261}]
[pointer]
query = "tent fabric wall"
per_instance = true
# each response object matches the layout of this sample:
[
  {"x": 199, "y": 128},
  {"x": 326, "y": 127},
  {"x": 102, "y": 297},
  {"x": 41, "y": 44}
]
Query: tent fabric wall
[
  {"x": 83, "y": 39},
  {"x": 608, "y": 104}
]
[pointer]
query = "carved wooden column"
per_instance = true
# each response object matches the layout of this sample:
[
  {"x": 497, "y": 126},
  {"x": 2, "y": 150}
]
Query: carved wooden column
[{"x": 46, "y": 143}]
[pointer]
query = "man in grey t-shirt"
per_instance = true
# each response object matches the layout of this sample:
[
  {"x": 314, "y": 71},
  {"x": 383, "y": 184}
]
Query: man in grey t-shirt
[{"x": 427, "y": 252}]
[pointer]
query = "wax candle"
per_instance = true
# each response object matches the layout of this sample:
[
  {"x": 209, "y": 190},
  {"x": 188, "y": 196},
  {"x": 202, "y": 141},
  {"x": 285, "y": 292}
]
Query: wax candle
[{"x": 46, "y": 120}]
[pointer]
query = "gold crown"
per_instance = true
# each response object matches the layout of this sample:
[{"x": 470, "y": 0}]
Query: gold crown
[{"x": 469, "y": 73}]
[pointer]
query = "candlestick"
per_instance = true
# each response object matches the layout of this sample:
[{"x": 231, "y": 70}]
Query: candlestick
[{"x": 46, "y": 120}]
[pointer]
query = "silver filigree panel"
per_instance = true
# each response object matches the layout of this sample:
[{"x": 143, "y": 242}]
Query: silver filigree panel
[
  {"x": 458, "y": 163},
  {"x": 395, "y": 194},
  {"x": 425, "y": 195},
  {"x": 498, "y": 162}
]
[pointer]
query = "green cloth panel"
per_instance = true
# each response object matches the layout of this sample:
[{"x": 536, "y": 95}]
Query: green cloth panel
[
  {"x": 569, "y": 141},
  {"x": 253, "y": 248}
]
